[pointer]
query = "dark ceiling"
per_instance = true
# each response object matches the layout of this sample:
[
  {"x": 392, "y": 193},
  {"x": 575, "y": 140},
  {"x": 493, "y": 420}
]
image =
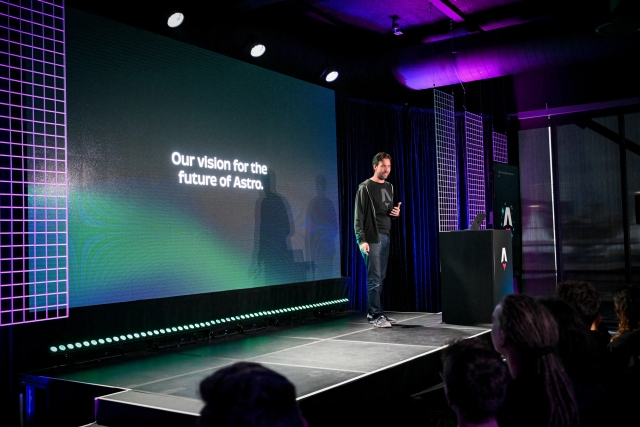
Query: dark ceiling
[{"x": 476, "y": 40}]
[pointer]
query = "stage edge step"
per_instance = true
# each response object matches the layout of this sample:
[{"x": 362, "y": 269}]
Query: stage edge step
[{"x": 131, "y": 407}]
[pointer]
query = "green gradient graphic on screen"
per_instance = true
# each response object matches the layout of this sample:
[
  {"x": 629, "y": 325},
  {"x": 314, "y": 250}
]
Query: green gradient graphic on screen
[
  {"x": 120, "y": 242},
  {"x": 190, "y": 172}
]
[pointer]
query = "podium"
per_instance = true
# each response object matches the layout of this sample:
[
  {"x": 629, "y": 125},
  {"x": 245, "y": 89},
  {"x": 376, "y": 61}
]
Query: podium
[{"x": 476, "y": 271}]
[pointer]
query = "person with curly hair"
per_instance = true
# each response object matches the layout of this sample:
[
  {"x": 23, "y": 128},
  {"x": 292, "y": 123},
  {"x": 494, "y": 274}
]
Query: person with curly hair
[
  {"x": 584, "y": 297},
  {"x": 540, "y": 394},
  {"x": 627, "y": 305},
  {"x": 624, "y": 352},
  {"x": 475, "y": 381},
  {"x": 586, "y": 300}
]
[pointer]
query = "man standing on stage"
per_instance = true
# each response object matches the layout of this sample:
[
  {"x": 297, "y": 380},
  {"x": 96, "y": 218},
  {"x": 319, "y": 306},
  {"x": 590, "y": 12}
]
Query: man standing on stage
[{"x": 373, "y": 213}]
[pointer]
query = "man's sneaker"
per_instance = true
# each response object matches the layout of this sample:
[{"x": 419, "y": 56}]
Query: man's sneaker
[
  {"x": 381, "y": 322},
  {"x": 390, "y": 319}
]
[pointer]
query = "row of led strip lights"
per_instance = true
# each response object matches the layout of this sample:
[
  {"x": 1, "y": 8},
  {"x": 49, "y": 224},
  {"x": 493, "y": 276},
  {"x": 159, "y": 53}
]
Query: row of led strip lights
[{"x": 137, "y": 335}]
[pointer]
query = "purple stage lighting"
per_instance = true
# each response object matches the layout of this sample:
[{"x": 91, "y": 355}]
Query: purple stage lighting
[
  {"x": 493, "y": 57},
  {"x": 33, "y": 162},
  {"x": 475, "y": 166}
]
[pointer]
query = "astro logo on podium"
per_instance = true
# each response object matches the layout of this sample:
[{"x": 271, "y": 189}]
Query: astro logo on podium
[
  {"x": 503, "y": 259},
  {"x": 507, "y": 222}
]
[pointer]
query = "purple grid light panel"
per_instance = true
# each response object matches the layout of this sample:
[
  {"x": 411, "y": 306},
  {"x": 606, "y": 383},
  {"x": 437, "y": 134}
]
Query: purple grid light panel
[
  {"x": 474, "y": 143},
  {"x": 446, "y": 161},
  {"x": 500, "y": 148},
  {"x": 33, "y": 162}
]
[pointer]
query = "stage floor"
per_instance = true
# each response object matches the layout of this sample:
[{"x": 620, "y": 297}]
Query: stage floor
[{"x": 317, "y": 356}]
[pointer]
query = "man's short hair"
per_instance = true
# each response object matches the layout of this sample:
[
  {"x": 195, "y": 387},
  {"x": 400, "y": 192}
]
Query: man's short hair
[
  {"x": 248, "y": 394},
  {"x": 380, "y": 157},
  {"x": 475, "y": 378},
  {"x": 581, "y": 295}
]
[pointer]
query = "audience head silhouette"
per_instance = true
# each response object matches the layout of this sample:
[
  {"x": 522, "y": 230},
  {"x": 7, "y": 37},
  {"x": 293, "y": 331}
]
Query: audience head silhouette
[
  {"x": 249, "y": 394},
  {"x": 574, "y": 346},
  {"x": 524, "y": 327},
  {"x": 527, "y": 335},
  {"x": 475, "y": 380},
  {"x": 627, "y": 305},
  {"x": 584, "y": 298}
]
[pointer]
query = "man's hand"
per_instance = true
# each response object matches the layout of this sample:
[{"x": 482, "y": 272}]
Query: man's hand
[
  {"x": 396, "y": 210},
  {"x": 364, "y": 247}
]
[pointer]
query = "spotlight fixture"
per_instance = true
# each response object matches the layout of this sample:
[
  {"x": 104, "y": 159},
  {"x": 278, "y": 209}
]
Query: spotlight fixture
[
  {"x": 395, "y": 26},
  {"x": 255, "y": 46},
  {"x": 258, "y": 50},
  {"x": 175, "y": 19},
  {"x": 329, "y": 74}
]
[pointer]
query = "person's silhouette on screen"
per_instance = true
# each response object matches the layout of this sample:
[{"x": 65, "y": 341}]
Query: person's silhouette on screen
[
  {"x": 322, "y": 232},
  {"x": 274, "y": 227}
]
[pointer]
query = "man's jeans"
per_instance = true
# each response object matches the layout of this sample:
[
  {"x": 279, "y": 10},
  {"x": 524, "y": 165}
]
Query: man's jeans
[{"x": 376, "y": 263}]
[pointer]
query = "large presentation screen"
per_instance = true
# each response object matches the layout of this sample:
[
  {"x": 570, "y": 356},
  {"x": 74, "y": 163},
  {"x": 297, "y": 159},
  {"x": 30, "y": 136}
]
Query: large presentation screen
[{"x": 191, "y": 172}]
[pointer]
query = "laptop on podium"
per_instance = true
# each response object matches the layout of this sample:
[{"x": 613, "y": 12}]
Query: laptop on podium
[{"x": 477, "y": 222}]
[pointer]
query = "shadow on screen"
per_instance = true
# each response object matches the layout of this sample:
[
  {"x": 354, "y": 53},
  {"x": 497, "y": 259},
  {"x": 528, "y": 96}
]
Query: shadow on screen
[
  {"x": 273, "y": 259},
  {"x": 321, "y": 237}
]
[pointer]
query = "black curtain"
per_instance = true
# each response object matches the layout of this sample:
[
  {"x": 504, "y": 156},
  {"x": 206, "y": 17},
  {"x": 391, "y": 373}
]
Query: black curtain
[{"x": 407, "y": 134}]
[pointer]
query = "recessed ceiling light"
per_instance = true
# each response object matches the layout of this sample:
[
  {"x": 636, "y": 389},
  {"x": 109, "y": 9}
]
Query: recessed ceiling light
[
  {"x": 258, "y": 50},
  {"x": 331, "y": 76},
  {"x": 175, "y": 20}
]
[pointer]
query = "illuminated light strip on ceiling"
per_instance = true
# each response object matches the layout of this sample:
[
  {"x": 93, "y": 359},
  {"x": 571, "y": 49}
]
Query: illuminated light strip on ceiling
[{"x": 194, "y": 326}]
